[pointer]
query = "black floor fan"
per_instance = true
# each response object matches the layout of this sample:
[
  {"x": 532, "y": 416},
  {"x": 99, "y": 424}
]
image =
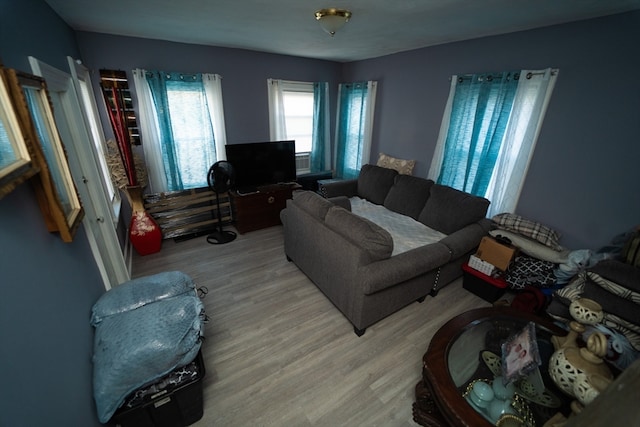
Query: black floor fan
[{"x": 221, "y": 178}]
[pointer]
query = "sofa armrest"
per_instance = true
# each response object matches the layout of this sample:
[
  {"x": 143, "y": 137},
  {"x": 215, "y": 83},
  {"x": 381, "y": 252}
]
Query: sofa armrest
[
  {"x": 348, "y": 188},
  {"x": 384, "y": 274},
  {"x": 467, "y": 238}
]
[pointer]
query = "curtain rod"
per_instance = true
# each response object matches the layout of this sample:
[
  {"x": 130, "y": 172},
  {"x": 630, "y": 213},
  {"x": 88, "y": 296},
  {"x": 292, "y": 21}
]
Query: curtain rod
[{"x": 554, "y": 71}]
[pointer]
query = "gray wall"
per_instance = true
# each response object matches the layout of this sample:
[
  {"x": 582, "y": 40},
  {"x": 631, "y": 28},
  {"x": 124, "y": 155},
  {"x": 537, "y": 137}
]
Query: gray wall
[
  {"x": 583, "y": 178},
  {"x": 47, "y": 287},
  {"x": 244, "y": 73},
  {"x": 584, "y": 174}
]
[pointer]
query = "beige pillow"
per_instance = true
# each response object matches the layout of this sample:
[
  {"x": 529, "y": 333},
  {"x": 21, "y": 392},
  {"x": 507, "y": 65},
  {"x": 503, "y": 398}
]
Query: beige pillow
[{"x": 404, "y": 167}]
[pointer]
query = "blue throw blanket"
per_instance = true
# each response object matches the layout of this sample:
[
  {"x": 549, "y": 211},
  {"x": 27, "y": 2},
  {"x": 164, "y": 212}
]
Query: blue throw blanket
[{"x": 145, "y": 328}]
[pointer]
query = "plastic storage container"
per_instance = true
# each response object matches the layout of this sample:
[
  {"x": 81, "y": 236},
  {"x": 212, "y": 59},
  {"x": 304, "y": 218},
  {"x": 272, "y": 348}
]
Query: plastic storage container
[
  {"x": 486, "y": 287},
  {"x": 175, "y": 400}
]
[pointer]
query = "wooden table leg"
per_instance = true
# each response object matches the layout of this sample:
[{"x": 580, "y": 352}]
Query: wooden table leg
[{"x": 425, "y": 410}]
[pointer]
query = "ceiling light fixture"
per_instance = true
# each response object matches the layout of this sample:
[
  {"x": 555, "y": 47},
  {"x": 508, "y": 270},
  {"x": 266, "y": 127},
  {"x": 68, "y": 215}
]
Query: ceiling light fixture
[{"x": 331, "y": 20}]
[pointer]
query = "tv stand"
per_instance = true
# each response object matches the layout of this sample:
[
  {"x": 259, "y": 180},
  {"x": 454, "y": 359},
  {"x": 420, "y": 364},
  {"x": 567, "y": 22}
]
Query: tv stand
[{"x": 261, "y": 209}]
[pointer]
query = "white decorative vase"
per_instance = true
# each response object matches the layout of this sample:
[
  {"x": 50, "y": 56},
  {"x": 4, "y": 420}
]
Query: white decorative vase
[{"x": 580, "y": 372}]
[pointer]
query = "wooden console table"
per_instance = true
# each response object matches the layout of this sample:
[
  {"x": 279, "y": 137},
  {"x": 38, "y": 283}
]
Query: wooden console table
[{"x": 261, "y": 209}]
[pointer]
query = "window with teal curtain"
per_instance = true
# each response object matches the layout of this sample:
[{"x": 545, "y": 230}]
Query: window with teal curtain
[
  {"x": 320, "y": 136},
  {"x": 352, "y": 110},
  {"x": 186, "y": 132},
  {"x": 480, "y": 113}
]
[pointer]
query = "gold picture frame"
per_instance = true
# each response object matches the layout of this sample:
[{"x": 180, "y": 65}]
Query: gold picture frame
[
  {"x": 16, "y": 165},
  {"x": 54, "y": 186}
]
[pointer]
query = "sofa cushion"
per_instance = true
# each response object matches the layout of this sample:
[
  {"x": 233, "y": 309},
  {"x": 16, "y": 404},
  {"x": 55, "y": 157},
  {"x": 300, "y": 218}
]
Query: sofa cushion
[
  {"x": 342, "y": 201},
  {"x": 448, "y": 210},
  {"x": 408, "y": 195},
  {"x": 374, "y": 183},
  {"x": 312, "y": 203},
  {"x": 369, "y": 236}
]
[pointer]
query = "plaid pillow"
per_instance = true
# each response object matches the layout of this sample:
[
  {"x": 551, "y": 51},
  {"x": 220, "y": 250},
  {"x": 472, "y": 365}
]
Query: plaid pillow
[{"x": 532, "y": 229}]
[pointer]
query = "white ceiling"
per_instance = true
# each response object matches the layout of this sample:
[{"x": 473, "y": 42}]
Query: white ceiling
[{"x": 377, "y": 28}]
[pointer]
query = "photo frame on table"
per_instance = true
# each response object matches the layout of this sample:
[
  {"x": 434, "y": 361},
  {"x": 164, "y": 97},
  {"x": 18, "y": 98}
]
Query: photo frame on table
[{"x": 520, "y": 354}]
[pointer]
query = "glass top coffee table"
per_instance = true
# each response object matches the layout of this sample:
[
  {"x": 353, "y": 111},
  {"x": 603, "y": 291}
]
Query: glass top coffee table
[{"x": 466, "y": 352}]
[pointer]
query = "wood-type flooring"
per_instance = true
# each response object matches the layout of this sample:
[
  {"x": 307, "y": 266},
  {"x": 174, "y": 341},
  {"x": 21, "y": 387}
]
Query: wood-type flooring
[{"x": 278, "y": 353}]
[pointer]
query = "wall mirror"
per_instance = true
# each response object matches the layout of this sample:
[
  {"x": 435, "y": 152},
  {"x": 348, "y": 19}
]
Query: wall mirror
[
  {"x": 57, "y": 195},
  {"x": 15, "y": 157}
]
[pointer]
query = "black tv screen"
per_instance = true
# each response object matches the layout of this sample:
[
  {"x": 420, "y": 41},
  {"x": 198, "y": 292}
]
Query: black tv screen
[{"x": 262, "y": 163}]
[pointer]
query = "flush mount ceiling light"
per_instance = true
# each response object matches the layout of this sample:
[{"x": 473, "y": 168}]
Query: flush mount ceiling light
[{"x": 331, "y": 20}]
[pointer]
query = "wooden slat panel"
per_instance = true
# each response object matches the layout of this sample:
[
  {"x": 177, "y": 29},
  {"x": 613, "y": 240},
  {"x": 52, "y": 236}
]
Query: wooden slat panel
[{"x": 180, "y": 213}]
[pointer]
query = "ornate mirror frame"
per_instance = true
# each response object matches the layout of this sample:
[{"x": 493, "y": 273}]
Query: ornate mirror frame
[
  {"x": 16, "y": 163},
  {"x": 56, "y": 192}
]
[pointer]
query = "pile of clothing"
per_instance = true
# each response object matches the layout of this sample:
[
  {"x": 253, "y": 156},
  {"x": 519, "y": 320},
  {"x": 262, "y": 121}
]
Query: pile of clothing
[
  {"x": 615, "y": 285},
  {"x": 540, "y": 254}
]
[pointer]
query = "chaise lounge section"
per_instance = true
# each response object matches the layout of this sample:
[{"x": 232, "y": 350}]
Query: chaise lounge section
[{"x": 351, "y": 259}]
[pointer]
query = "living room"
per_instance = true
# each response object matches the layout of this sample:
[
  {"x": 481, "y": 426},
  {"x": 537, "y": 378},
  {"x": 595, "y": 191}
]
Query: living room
[{"x": 581, "y": 180}]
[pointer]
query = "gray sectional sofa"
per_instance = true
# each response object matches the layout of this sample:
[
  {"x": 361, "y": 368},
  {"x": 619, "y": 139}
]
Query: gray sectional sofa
[{"x": 349, "y": 257}]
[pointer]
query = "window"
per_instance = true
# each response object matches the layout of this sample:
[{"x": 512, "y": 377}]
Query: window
[
  {"x": 489, "y": 131},
  {"x": 193, "y": 141},
  {"x": 356, "y": 103},
  {"x": 298, "y": 116},
  {"x": 297, "y": 111},
  {"x": 182, "y": 124}
]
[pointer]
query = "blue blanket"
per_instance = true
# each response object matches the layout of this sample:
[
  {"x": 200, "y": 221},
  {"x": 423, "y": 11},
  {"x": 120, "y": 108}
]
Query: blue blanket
[{"x": 145, "y": 328}]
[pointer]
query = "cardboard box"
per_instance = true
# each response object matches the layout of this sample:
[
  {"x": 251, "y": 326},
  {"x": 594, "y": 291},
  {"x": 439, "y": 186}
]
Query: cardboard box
[
  {"x": 482, "y": 266},
  {"x": 496, "y": 253},
  {"x": 486, "y": 287}
]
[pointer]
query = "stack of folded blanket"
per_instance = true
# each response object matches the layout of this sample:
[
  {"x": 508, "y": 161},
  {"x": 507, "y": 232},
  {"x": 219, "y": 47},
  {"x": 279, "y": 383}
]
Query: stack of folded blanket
[
  {"x": 615, "y": 285},
  {"x": 540, "y": 254}
]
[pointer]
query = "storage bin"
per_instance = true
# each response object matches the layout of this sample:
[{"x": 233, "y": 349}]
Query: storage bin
[
  {"x": 175, "y": 400},
  {"x": 486, "y": 287}
]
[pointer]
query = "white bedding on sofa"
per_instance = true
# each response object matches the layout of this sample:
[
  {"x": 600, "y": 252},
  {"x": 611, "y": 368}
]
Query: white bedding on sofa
[{"x": 407, "y": 233}]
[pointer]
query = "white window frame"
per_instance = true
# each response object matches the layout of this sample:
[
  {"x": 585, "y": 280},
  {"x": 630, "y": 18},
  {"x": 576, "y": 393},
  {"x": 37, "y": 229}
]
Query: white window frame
[{"x": 303, "y": 158}]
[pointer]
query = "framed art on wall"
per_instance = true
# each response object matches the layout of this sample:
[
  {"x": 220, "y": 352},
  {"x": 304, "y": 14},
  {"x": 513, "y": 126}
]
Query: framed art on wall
[
  {"x": 16, "y": 164},
  {"x": 56, "y": 192}
]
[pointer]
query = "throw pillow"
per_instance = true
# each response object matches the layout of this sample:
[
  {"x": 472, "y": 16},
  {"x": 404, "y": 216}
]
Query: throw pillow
[
  {"x": 533, "y": 247},
  {"x": 614, "y": 288},
  {"x": 403, "y": 166},
  {"x": 529, "y": 228},
  {"x": 612, "y": 303},
  {"x": 623, "y": 274}
]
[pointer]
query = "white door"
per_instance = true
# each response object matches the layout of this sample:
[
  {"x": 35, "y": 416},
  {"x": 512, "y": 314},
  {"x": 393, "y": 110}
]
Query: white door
[{"x": 86, "y": 162}]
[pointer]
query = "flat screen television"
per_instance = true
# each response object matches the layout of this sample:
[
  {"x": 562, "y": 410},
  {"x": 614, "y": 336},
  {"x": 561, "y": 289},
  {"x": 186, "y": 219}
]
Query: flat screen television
[{"x": 262, "y": 163}]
